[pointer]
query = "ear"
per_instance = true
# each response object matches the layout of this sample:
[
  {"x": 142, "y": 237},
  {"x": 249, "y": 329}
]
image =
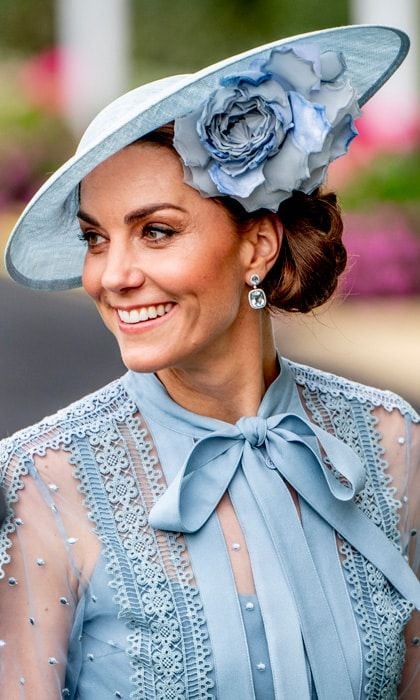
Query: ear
[{"x": 262, "y": 245}]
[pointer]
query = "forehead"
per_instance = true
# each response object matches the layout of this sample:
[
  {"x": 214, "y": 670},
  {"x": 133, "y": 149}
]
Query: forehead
[
  {"x": 144, "y": 174},
  {"x": 139, "y": 167}
]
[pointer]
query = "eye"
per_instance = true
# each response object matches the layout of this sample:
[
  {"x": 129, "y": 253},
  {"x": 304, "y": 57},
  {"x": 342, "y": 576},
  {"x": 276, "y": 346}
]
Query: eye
[
  {"x": 92, "y": 238},
  {"x": 157, "y": 233}
]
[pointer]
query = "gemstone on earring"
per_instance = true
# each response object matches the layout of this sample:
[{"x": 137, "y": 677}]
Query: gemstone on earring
[
  {"x": 256, "y": 296},
  {"x": 257, "y": 299}
]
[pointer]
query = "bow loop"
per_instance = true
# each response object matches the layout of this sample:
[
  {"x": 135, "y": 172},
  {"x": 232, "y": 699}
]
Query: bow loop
[
  {"x": 254, "y": 430},
  {"x": 291, "y": 447}
]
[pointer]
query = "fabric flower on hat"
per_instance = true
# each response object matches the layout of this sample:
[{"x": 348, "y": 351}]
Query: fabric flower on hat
[{"x": 271, "y": 130}]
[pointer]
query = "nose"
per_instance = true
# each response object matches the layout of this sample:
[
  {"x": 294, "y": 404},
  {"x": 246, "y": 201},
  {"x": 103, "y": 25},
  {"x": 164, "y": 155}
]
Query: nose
[{"x": 122, "y": 269}]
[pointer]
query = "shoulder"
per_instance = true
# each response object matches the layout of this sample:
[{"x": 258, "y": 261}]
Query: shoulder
[
  {"x": 326, "y": 384},
  {"x": 88, "y": 413}
]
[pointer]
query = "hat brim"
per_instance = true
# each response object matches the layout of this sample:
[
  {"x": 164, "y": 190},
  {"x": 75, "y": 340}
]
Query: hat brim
[{"x": 44, "y": 250}]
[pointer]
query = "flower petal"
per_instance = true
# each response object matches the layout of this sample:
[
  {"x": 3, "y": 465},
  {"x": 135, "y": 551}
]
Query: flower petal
[
  {"x": 311, "y": 125},
  {"x": 219, "y": 103},
  {"x": 287, "y": 169},
  {"x": 271, "y": 91},
  {"x": 315, "y": 180},
  {"x": 187, "y": 142},
  {"x": 337, "y": 99},
  {"x": 239, "y": 186},
  {"x": 296, "y": 68},
  {"x": 200, "y": 179},
  {"x": 344, "y": 134},
  {"x": 333, "y": 65},
  {"x": 262, "y": 199},
  {"x": 321, "y": 158},
  {"x": 252, "y": 76}
]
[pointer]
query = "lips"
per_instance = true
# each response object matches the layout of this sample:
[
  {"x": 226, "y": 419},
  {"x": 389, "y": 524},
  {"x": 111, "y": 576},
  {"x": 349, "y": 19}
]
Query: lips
[{"x": 144, "y": 313}]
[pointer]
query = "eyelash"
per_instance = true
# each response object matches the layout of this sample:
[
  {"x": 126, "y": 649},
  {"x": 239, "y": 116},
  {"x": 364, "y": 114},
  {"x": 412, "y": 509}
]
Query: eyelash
[{"x": 88, "y": 235}]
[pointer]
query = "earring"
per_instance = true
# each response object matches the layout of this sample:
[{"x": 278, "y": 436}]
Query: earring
[{"x": 256, "y": 297}]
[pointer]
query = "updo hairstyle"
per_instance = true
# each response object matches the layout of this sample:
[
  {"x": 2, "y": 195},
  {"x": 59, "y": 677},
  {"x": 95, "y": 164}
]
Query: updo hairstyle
[{"x": 312, "y": 255}]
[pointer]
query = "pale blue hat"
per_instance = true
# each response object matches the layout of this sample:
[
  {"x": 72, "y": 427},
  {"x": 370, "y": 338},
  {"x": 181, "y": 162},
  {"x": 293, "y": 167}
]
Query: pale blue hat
[{"x": 44, "y": 250}]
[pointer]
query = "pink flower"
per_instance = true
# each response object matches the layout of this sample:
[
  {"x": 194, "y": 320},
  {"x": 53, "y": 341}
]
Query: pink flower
[{"x": 384, "y": 255}]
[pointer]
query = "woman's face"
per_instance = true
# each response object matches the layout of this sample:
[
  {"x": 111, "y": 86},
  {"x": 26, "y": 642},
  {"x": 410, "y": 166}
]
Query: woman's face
[{"x": 166, "y": 268}]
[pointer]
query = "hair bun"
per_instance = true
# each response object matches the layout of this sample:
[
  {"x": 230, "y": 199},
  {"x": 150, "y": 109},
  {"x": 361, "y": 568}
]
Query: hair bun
[{"x": 312, "y": 255}]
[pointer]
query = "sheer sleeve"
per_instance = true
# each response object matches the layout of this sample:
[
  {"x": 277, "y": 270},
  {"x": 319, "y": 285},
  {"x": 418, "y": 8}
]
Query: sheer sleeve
[
  {"x": 48, "y": 550},
  {"x": 401, "y": 445}
]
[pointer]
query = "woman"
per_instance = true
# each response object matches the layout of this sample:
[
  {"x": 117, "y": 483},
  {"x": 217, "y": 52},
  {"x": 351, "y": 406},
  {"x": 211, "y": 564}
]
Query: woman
[{"x": 220, "y": 522}]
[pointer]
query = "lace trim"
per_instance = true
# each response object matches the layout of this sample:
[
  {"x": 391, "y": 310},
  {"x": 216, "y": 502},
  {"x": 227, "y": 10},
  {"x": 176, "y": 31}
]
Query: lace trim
[
  {"x": 167, "y": 646},
  {"x": 325, "y": 382},
  {"x": 168, "y": 642},
  {"x": 382, "y": 612},
  {"x": 53, "y": 432}
]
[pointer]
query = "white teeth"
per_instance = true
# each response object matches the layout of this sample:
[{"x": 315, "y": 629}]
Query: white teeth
[
  {"x": 124, "y": 315},
  {"x": 144, "y": 313},
  {"x": 134, "y": 316}
]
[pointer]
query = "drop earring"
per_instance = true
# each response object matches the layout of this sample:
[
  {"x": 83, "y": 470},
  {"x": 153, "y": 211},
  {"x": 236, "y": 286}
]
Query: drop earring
[{"x": 256, "y": 296}]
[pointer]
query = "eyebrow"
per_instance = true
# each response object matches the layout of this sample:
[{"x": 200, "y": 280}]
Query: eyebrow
[{"x": 132, "y": 216}]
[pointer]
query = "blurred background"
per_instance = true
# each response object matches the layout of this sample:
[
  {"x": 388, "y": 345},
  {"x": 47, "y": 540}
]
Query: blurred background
[{"x": 62, "y": 60}]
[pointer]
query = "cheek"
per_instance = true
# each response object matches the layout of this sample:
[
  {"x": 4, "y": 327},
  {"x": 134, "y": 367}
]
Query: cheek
[
  {"x": 218, "y": 264},
  {"x": 218, "y": 288},
  {"x": 91, "y": 277}
]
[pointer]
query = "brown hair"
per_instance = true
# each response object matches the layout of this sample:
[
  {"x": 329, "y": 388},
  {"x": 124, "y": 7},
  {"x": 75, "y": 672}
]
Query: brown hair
[{"x": 312, "y": 255}]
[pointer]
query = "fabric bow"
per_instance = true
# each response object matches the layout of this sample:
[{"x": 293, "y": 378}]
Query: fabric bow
[
  {"x": 285, "y": 442},
  {"x": 322, "y": 469}
]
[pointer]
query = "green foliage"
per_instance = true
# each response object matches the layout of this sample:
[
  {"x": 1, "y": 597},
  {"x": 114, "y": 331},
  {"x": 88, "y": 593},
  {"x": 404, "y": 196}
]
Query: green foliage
[
  {"x": 390, "y": 178},
  {"x": 26, "y": 25},
  {"x": 182, "y": 35},
  {"x": 178, "y": 35}
]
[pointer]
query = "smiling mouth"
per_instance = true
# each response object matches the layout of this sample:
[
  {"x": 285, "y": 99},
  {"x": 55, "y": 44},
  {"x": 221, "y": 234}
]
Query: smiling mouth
[{"x": 144, "y": 313}]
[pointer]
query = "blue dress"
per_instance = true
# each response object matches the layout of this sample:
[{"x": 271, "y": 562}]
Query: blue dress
[{"x": 118, "y": 581}]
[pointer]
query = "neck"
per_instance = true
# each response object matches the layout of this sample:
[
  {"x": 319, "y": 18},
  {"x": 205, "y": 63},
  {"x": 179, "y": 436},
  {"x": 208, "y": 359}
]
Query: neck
[{"x": 227, "y": 384}]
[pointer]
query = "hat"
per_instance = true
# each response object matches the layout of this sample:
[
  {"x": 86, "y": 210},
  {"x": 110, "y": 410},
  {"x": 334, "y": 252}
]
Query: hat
[{"x": 345, "y": 65}]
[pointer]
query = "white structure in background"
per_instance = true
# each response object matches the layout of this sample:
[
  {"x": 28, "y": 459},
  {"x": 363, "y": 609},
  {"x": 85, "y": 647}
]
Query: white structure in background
[
  {"x": 93, "y": 35},
  {"x": 395, "y": 108}
]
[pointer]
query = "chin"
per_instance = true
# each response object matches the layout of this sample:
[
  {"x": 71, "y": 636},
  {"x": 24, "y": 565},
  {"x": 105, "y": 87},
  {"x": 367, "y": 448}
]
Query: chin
[
  {"x": 139, "y": 363},
  {"x": 137, "y": 360}
]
